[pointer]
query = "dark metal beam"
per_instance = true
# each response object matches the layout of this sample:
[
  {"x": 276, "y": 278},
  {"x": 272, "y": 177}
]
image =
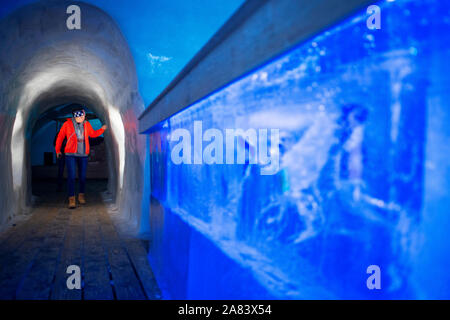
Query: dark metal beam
[{"x": 259, "y": 31}]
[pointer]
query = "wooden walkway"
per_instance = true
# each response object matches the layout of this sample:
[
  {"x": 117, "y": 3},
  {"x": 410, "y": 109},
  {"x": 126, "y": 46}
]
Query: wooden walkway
[{"x": 35, "y": 253}]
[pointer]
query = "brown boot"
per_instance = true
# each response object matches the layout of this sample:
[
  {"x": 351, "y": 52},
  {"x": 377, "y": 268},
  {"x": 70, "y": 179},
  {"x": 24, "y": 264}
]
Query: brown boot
[
  {"x": 72, "y": 204},
  {"x": 81, "y": 198}
]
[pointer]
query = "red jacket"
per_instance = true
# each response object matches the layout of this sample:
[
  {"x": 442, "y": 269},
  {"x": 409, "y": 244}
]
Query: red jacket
[{"x": 68, "y": 131}]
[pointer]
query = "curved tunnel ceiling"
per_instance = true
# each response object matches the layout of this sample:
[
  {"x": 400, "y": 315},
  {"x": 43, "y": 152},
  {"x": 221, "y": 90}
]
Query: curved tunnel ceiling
[
  {"x": 44, "y": 64},
  {"x": 162, "y": 35}
]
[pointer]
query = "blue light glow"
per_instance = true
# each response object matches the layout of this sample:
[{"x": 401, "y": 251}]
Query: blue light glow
[{"x": 364, "y": 172}]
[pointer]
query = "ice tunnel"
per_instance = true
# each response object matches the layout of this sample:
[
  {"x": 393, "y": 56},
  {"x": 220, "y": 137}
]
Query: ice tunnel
[
  {"x": 363, "y": 178},
  {"x": 44, "y": 65},
  {"x": 299, "y": 153}
]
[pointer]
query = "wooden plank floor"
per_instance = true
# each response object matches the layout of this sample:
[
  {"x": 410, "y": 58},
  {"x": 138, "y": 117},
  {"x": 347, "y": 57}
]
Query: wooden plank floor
[{"x": 35, "y": 253}]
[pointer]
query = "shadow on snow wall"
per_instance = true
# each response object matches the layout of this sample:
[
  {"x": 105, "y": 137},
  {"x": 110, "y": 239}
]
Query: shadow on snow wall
[{"x": 363, "y": 176}]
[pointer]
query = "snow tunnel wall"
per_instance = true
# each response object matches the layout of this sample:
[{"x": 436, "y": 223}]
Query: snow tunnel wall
[
  {"x": 363, "y": 177},
  {"x": 43, "y": 64}
]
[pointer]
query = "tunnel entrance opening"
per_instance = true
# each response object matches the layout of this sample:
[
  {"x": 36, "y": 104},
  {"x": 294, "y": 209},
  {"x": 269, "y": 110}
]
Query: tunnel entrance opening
[
  {"x": 50, "y": 66},
  {"x": 48, "y": 173}
]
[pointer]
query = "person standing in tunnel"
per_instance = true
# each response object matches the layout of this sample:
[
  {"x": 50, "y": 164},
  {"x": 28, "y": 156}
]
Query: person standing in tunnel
[{"x": 77, "y": 130}]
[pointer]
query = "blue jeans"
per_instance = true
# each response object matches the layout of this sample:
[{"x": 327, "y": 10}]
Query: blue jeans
[
  {"x": 61, "y": 163},
  {"x": 81, "y": 162}
]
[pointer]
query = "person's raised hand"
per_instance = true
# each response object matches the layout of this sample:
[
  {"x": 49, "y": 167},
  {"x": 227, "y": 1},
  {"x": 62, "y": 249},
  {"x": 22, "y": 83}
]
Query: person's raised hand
[{"x": 104, "y": 127}]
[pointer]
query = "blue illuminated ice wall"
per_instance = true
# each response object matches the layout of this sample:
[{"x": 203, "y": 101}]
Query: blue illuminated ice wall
[{"x": 363, "y": 179}]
